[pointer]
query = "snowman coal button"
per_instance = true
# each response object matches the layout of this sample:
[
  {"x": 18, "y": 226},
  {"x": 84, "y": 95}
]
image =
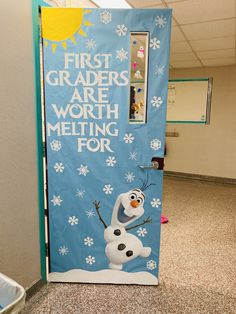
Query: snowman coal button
[
  {"x": 117, "y": 232},
  {"x": 121, "y": 247},
  {"x": 129, "y": 253}
]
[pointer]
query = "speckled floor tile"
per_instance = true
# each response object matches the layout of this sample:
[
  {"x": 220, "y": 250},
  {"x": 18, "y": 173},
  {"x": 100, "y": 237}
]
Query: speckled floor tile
[{"x": 197, "y": 263}]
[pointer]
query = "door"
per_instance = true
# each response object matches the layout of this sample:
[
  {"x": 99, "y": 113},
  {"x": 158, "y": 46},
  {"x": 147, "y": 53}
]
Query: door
[{"x": 105, "y": 88}]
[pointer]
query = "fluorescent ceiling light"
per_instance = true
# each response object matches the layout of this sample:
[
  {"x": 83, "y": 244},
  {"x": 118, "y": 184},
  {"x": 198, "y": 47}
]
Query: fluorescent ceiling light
[{"x": 116, "y": 4}]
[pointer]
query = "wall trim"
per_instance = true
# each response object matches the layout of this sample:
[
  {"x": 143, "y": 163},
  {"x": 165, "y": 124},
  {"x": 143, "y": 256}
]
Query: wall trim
[
  {"x": 200, "y": 177},
  {"x": 36, "y": 286}
]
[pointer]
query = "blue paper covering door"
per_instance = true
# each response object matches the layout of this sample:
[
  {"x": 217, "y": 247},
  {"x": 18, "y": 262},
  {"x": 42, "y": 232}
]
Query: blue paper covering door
[{"x": 105, "y": 85}]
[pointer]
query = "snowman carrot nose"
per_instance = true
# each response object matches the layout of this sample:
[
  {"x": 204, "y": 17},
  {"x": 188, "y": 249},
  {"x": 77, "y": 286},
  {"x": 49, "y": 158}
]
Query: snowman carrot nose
[{"x": 134, "y": 203}]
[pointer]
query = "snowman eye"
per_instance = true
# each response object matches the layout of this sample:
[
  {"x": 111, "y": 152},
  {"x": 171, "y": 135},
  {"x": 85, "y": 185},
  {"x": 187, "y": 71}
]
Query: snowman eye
[
  {"x": 139, "y": 200},
  {"x": 132, "y": 196}
]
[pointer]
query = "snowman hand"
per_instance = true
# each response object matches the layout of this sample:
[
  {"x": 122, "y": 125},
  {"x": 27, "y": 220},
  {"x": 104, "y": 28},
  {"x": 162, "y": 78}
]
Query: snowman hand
[
  {"x": 97, "y": 206},
  {"x": 146, "y": 221}
]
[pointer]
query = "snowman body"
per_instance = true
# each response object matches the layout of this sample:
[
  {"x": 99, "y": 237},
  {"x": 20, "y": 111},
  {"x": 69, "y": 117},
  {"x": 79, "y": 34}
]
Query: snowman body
[{"x": 122, "y": 246}]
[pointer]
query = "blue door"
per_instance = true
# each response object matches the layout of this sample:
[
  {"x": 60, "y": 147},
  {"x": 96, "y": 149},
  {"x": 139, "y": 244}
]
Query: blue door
[{"x": 105, "y": 85}]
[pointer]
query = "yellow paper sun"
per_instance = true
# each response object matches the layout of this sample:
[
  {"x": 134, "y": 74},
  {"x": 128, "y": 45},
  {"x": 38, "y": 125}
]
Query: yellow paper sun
[{"x": 59, "y": 25}]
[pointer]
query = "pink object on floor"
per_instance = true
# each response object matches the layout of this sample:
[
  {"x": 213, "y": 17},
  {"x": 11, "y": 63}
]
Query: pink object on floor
[{"x": 164, "y": 219}]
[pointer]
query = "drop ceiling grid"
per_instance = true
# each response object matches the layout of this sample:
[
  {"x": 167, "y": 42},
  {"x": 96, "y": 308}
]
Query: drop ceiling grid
[{"x": 204, "y": 33}]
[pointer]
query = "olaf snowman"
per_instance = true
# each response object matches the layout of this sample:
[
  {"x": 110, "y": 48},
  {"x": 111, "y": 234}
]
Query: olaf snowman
[{"x": 122, "y": 246}]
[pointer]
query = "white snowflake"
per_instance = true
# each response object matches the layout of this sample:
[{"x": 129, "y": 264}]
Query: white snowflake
[
  {"x": 111, "y": 161},
  {"x": 121, "y": 30},
  {"x": 55, "y": 145},
  {"x": 156, "y": 101},
  {"x": 133, "y": 155},
  {"x": 80, "y": 193},
  {"x": 59, "y": 167},
  {"x": 142, "y": 232},
  {"x": 121, "y": 54},
  {"x": 154, "y": 43},
  {"x": 160, "y": 21},
  {"x": 151, "y": 264},
  {"x": 108, "y": 189},
  {"x": 90, "y": 213},
  {"x": 129, "y": 176},
  {"x": 155, "y": 202},
  {"x": 88, "y": 241},
  {"x": 105, "y": 17},
  {"x": 73, "y": 220},
  {"x": 56, "y": 200},
  {"x": 83, "y": 170},
  {"x": 155, "y": 144},
  {"x": 90, "y": 260},
  {"x": 63, "y": 250},
  {"x": 128, "y": 138},
  {"x": 90, "y": 44},
  {"x": 159, "y": 70}
]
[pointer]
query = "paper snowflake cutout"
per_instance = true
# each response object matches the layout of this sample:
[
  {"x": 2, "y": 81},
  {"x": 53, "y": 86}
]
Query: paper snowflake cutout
[
  {"x": 56, "y": 200},
  {"x": 151, "y": 264},
  {"x": 73, "y": 220},
  {"x": 159, "y": 70},
  {"x": 155, "y": 202},
  {"x": 83, "y": 170},
  {"x": 154, "y": 43},
  {"x": 121, "y": 54},
  {"x": 129, "y": 176},
  {"x": 156, "y": 101},
  {"x": 90, "y": 44},
  {"x": 90, "y": 260},
  {"x": 111, "y": 161},
  {"x": 142, "y": 232},
  {"x": 128, "y": 138},
  {"x": 80, "y": 193},
  {"x": 155, "y": 144},
  {"x": 55, "y": 145},
  {"x": 160, "y": 21},
  {"x": 88, "y": 241},
  {"x": 90, "y": 213},
  {"x": 59, "y": 167},
  {"x": 108, "y": 189},
  {"x": 63, "y": 250},
  {"x": 121, "y": 30},
  {"x": 105, "y": 17},
  {"x": 133, "y": 155}
]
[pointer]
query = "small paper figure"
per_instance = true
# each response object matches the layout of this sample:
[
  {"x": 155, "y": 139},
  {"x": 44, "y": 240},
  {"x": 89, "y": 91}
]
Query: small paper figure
[
  {"x": 138, "y": 75},
  {"x": 140, "y": 53},
  {"x": 134, "y": 65}
]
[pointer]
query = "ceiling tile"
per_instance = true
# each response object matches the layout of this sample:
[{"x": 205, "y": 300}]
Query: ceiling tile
[
  {"x": 194, "y": 11},
  {"x": 180, "y": 47},
  {"x": 224, "y": 53},
  {"x": 145, "y": 4},
  {"x": 218, "y": 62},
  {"x": 186, "y": 64},
  {"x": 183, "y": 57},
  {"x": 210, "y": 29},
  {"x": 214, "y": 43},
  {"x": 176, "y": 34}
]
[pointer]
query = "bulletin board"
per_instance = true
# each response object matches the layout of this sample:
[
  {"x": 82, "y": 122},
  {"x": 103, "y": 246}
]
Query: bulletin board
[{"x": 189, "y": 100}]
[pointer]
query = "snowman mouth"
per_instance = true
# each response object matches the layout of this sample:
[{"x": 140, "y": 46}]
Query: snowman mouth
[{"x": 121, "y": 216}]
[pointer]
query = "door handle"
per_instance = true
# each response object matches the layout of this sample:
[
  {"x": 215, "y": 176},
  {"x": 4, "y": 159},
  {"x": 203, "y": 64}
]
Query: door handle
[{"x": 157, "y": 163}]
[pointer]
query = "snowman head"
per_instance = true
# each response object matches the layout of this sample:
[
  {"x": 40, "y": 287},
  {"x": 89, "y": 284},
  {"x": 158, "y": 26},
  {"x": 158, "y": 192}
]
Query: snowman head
[{"x": 128, "y": 208}]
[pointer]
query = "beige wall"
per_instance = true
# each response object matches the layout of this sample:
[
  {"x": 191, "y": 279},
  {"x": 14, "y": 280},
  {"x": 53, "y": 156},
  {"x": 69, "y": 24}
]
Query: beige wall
[
  {"x": 19, "y": 239},
  {"x": 207, "y": 149}
]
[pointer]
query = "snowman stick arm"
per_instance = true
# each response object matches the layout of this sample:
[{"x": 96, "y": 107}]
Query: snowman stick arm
[
  {"x": 146, "y": 221},
  {"x": 97, "y": 206}
]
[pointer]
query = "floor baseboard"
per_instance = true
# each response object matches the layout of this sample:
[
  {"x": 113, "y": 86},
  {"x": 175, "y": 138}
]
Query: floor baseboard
[
  {"x": 34, "y": 288},
  {"x": 199, "y": 177}
]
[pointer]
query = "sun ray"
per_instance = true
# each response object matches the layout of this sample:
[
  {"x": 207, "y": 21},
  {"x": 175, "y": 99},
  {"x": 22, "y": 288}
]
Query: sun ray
[
  {"x": 45, "y": 43},
  {"x": 54, "y": 47},
  {"x": 87, "y": 11},
  {"x": 87, "y": 23},
  {"x": 82, "y": 33},
  {"x": 64, "y": 45},
  {"x": 72, "y": 38}
]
